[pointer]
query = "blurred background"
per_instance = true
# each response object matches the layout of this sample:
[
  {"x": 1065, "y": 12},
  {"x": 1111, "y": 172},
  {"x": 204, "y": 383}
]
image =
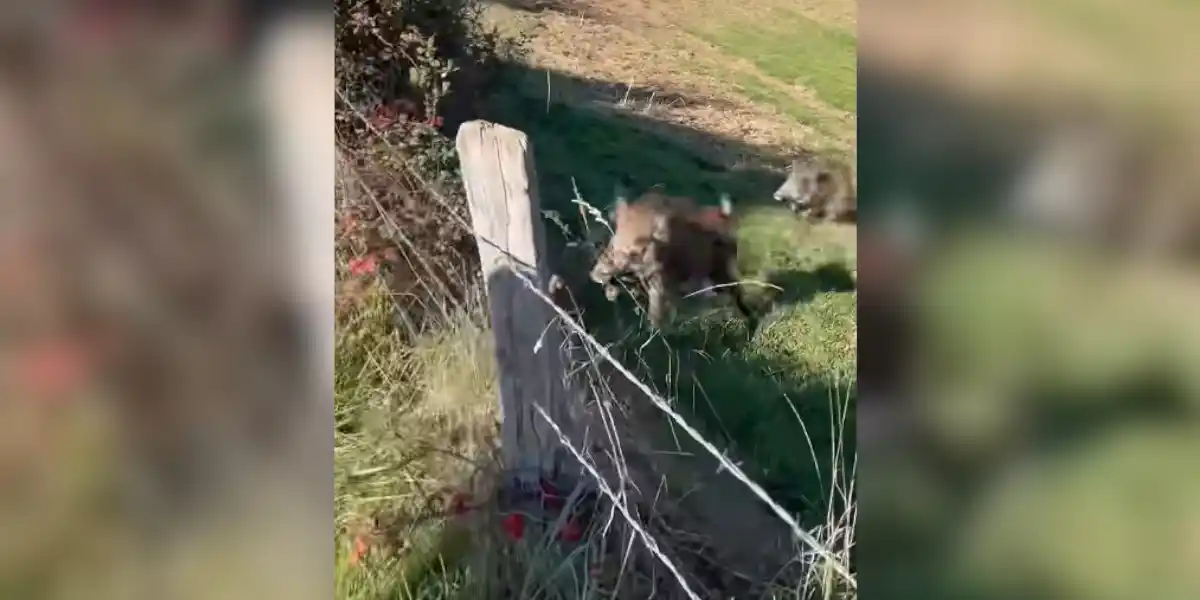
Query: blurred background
[
  {"x": 1028, "y": 303},
  {"x": 165, "y": 373}
]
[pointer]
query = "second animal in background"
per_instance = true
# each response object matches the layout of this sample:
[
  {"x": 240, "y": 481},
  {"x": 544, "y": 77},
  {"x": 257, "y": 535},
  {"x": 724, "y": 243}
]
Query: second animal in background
[
  {"x": 820, "y": 189},
  {"x": 671, "y": 245}
]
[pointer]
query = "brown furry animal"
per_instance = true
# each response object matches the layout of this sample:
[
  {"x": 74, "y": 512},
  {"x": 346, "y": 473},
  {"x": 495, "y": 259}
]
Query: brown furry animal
[
  {"x": 668, "y": 242},
  {"x": 819, "y": 188}
]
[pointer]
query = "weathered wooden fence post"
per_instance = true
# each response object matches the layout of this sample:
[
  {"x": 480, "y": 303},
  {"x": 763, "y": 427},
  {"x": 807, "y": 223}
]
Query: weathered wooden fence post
[{"x": 501, "y": 187}]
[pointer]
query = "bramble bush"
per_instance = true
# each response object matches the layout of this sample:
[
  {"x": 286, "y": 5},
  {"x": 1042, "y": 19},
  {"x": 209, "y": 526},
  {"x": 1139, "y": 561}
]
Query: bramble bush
[{"x": 409, "y": 73}]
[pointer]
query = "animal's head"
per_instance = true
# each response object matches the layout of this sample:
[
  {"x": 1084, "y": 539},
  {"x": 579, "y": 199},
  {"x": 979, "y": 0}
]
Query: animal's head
[
  {"x": 634, "y": 225},
  {"x": 634, "y": 219},
  {"x": 807, "y": 180}
]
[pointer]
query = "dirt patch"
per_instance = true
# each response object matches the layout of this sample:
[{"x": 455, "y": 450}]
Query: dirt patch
[
  {"x": 675, "y": 23},
  {"x": 633, "y": 44},
  {"x": 568, "y": 7}
]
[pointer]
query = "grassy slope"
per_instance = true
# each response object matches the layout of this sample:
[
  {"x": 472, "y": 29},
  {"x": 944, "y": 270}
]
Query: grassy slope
[
  {"x": 793, "y": 49},
  {"x": 395, "y": 403}
]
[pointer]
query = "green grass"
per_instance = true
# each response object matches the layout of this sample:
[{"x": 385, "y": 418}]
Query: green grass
[
  {"x": 754, "y": 88},
  {"x": 411, "y": 412},
  {"x": 795, "y": 50},
  {"x": 765, "y": 89}
]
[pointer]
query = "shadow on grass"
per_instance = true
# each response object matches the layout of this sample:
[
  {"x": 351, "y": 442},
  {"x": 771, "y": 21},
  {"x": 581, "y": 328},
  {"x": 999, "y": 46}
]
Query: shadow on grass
[
  {"x": 568, "y": 7},
  {"x": 640, "y": 101},
  {"x": 800, "y": 285},
  {"x": 588, "y": 139},
  {"x": 794, "y": 433}
]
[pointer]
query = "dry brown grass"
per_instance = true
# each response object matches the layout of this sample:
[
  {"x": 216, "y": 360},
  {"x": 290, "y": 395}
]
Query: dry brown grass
[{"x": 648, "y": 44}]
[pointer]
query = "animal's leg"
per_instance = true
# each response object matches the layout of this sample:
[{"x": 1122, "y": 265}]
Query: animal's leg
[
  {"x": 725, "y": 274},
  {"x": 656, "y": 294},
  {"x": 652, "y": 273},
  {"x": 608, "y": 267},
  {"x": 611, "y": 292}
]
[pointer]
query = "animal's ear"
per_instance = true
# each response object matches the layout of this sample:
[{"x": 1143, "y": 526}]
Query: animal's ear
[
  {"x": 726, "y": 204},
  {"x": 621, "y": 191},
  {"x": 807, "y": 160},
  {"x": 615, "y": 212}
]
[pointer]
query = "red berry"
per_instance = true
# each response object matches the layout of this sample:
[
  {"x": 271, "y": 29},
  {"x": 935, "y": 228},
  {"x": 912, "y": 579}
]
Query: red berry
[
  {"x": 363, "y": 266},
  {"x": 514, "y": 526},
  {"x": 359, "y": 550},
  {"x": 571, "y": 531},
  {"x": 458, "y": 504}
]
